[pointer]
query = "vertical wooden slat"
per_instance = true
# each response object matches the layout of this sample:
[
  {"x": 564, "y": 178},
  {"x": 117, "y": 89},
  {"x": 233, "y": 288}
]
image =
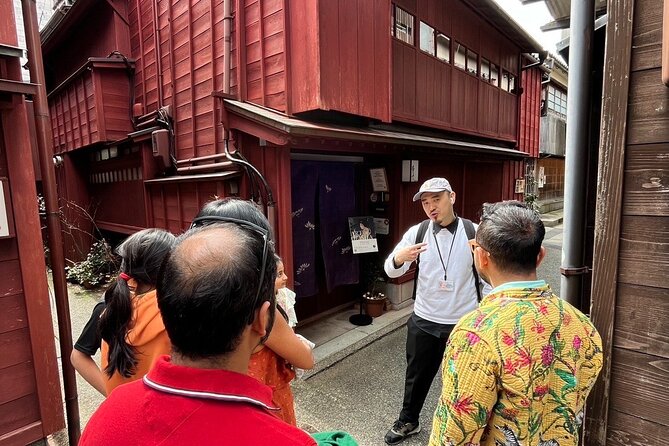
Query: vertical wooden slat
[
  {"x": 261, "y": 42},
  {"x": 609, "y": 204},
  {"x": 191, "y": 66},
  {"x": 142, "y": 79}
]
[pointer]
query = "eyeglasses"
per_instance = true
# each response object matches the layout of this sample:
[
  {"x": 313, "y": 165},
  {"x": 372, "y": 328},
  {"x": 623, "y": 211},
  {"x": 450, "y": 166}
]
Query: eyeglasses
[
  {"x": 208, "y": 220},
  {"x": 473, "y": 244}
]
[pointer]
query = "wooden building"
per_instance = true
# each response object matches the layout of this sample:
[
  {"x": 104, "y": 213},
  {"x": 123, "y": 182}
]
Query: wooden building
[
  {"x": 30, "y": 400},
  {"x": 626, "y": 240},
  {"x": 630, "y": 289},
  {"x": 319, "y": 95}
]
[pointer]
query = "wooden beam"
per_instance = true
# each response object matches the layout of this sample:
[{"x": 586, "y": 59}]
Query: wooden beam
[{"x": 611, "y": 172}]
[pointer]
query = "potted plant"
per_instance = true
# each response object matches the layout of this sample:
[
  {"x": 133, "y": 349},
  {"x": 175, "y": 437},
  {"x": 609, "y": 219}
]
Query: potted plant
[{"x": 374, "y": 278}]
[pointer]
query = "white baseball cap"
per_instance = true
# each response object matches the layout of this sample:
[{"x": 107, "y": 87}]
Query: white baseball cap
[{"x": 433, "y": 185}]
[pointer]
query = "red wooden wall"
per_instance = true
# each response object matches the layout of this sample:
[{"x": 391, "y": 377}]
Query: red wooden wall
[
  {"x": 30, "y": 400},
  {"x": 94, "y": 106},
  {"x": 530, "y": 111},
  {"x": 428, "y": 91},
  {"x": 101, "y": 31}
]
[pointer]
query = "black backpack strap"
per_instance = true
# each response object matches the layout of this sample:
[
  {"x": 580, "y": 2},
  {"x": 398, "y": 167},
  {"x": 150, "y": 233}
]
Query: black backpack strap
[
  {"x": 471, "y": 234},
  {"x": 420, "y": 235}
]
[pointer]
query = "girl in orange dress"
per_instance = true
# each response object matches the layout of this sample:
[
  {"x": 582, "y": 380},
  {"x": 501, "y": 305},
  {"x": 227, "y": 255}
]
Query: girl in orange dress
[{"x": 273, "y": 364}]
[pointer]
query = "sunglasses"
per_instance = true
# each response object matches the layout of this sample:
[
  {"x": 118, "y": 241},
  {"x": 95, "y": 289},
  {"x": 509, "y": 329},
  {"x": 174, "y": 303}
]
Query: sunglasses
[{"x": 205, "y": 221}]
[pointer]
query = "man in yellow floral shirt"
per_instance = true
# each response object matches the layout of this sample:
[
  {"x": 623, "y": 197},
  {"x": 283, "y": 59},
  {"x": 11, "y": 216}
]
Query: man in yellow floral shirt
[{"x": 516, "y": 371}]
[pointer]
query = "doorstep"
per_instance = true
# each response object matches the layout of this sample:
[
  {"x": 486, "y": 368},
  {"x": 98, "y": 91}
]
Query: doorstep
[{"x": 336, "y": 338}]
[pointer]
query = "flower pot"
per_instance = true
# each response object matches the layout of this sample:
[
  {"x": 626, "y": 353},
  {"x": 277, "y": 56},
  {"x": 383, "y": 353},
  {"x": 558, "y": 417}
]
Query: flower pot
[{"x": 375, "y": 307}]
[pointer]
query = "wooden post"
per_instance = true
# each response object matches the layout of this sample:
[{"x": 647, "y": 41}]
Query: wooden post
[{"x": 609, "y": 205}]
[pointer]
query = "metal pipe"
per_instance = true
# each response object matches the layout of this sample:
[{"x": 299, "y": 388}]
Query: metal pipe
[
  {"x": 159, "y": 57},
  {"x": 227, "y": 45},
  {"x": 204, "y": 167},
  {"x": 197, "y": 159},
  {"x": 576, "y": 157},
  {"x": 45, "y": 151}
]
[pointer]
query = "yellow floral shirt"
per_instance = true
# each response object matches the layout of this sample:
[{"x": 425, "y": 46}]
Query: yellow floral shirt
[{"x": 517, "y": 371}]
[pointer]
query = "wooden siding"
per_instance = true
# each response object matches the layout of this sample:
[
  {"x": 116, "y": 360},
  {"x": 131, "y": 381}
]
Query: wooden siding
[
  {"x": 340, "y": 57},
  {"x": 427, "y": 91},
  {"x": 174, "y": 205},
  {"x": 190, "y": 57},
  {"x": 633, "y": 242},
  {"x": 97, "y": 35},
  {"x": 30, "y": 400},
  {"x": 513, "y": 170},
  {"x": 93, "y": 106},
  {"x": 530, "y": 111}
]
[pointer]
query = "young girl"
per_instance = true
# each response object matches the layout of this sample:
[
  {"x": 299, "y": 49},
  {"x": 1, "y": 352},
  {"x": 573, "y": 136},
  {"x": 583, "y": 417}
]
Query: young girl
[
  {"x": 271, "y": 363},
  {"x": 131, "y": 326},
  {"x": 285, "y": 298}
]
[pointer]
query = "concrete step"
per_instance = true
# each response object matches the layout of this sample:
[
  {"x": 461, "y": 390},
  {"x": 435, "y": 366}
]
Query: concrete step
[{"x": 551, "y": 219}]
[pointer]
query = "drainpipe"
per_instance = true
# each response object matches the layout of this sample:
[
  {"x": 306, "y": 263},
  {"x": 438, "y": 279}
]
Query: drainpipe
[
  {"x": 45, "y": 151},
  {"x": 227, "y": 24},
  {"x": 227, "y": 31},
  {"x": 576, "y": 157}
]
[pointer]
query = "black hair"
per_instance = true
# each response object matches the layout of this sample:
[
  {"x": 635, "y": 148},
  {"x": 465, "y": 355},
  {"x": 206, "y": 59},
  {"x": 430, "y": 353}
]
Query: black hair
[
  {"x": 208, "y": 288},
  {"x": 141, "y": 256},
  {"x": 512, "y": 233}
]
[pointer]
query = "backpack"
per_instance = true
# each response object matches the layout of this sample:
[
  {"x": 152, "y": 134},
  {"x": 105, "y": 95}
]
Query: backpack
[{"x": 469, "y": 231}]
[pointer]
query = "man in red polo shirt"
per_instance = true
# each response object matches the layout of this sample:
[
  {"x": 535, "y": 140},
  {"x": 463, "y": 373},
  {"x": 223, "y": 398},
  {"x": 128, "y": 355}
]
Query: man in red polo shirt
[{"x": 216, "y": 295}]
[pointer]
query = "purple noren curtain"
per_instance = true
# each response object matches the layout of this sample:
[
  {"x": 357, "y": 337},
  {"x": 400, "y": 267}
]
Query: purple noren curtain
[{"x": 323, "y": 197}]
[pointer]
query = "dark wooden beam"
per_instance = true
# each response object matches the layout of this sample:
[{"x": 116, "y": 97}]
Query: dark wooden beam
[{"x": 609, "y": 205}]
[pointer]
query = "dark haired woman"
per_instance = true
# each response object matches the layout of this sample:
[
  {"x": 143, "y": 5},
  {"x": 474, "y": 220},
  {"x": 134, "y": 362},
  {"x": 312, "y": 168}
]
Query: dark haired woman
[
  {"x": 272, "y": 363},
  {"x": 132, "y": 330}
]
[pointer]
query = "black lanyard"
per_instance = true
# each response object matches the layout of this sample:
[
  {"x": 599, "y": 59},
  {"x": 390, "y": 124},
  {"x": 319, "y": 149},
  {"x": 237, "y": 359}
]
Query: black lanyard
[{"x": 441, "y": 259}]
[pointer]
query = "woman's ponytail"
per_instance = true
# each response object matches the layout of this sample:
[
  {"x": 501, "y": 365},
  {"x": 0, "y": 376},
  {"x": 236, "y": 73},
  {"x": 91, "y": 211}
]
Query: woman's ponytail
[{"x": 114, "y": 325}]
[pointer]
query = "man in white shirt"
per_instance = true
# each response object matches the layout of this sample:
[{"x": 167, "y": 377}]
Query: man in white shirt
[{"x": 445, "y": 291}]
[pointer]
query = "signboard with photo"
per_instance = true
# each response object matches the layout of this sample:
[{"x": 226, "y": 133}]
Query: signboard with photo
[{"x": 363, "y": 234}]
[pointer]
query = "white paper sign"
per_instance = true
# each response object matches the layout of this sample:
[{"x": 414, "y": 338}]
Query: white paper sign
[{"x": 4, "y": 226}]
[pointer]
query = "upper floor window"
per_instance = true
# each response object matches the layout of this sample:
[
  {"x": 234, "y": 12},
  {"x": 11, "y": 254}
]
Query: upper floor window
[
  {"x": 557, "y": 101},
  {"x": 403, "y": 25},
  {"x": 472, "y": 62},
  {"x": 460, "y": 56},
  {"x": 508, "y": 82},
  {"x": 427, "y": 42},
  {"x": 443, "y": 47},
  {"x": 489, "y": 72},
  {"x": 494, "y": 75}
]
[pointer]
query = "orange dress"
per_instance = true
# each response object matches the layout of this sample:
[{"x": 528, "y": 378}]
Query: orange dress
[
  {"x": 272, "y": 370},
  {"x": 147, "y": 335}
]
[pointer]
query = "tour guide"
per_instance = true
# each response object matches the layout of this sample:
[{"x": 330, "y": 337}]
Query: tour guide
[{"x": 445, "y": 291}]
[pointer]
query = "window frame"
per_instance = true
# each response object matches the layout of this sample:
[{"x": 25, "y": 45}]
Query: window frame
[{"x": 410, "y": 32}]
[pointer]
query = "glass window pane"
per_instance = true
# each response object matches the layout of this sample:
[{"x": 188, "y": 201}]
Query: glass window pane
[
  {"x": 404, "y": 25},
  {"x": 443, "y": 47},
  {"x": 512, "y": 84},
  {"x": 494, "y": 75},
  {"x": 426, "y": 38},
  {"x": 505, "y": 81},
  {"x": 459, "y": 56},
  {"x": 472, "y": 62},
  {"x": 485, "y": 69}
]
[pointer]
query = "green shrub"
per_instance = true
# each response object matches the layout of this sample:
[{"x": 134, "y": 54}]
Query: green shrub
[{"x": 98, "y": 267}]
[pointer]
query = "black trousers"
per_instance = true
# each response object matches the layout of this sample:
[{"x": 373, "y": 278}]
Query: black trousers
[{"x": 424, "y": 355}]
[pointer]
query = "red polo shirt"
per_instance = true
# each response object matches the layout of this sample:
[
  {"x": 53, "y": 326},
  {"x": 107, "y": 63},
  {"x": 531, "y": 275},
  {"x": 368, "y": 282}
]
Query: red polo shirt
[{"x": 175, "y": 405}]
